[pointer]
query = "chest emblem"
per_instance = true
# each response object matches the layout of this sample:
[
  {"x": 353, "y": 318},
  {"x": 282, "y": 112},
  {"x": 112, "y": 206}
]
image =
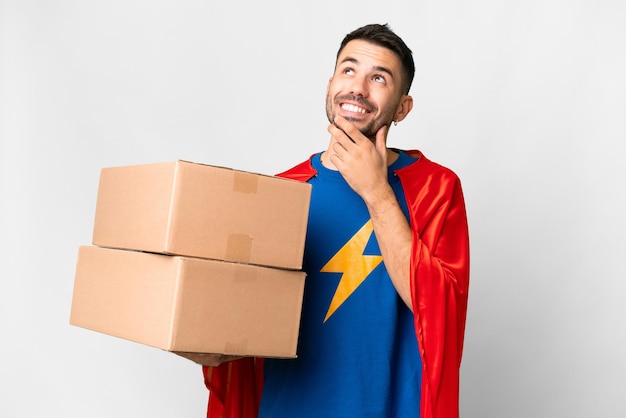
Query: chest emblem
[{"x": 353, "y": 264}]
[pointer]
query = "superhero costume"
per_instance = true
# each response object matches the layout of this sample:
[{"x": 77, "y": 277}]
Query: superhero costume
[
  {"x": 357, "y": 350},
  {"x": 439, "y": 285}
]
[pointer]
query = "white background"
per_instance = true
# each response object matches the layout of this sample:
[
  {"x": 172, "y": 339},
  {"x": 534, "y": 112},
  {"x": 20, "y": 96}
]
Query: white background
[{"x": 526, "y": 101}]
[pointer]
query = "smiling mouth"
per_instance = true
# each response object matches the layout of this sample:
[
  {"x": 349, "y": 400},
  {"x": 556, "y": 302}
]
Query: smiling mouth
[{"x": 353, "y": 108}]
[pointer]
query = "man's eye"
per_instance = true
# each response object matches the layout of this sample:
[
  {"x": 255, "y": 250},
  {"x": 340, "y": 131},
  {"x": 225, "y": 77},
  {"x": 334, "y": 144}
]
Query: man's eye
[
  {"x": 379, "y": 79},
  {"x": 348, "y": 71}
]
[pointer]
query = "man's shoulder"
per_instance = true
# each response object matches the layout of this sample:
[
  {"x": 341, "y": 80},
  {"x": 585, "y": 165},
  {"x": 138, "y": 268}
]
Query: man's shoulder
[{"x": 424, "y": 165}]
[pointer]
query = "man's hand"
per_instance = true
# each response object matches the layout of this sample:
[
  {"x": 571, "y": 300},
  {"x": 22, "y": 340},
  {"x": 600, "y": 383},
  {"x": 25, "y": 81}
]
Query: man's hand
[
  {"x": 362, "y": 163},
  {"x": 212, "y": 360}
]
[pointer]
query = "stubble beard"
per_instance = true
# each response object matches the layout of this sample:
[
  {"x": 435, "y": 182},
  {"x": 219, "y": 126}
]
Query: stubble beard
[{"x": 372, "y": 127}]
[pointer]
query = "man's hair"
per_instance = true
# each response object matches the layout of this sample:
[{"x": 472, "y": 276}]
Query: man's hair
[{"x": 382, "y": 35}]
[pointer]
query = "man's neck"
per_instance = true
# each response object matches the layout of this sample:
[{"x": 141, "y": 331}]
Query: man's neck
[{"x": 392, "y": 156}]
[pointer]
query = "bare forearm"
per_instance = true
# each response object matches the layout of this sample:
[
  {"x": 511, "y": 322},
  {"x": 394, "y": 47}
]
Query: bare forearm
[{"x": 393, "y": 234}]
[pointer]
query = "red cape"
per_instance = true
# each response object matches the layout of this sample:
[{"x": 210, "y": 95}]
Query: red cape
[{"x": 439, "y": 286}]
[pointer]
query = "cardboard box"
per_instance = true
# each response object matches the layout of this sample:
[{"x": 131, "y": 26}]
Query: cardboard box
[
  {"x": 188, "y": 304},
  {"x": 198, "y": 210}
]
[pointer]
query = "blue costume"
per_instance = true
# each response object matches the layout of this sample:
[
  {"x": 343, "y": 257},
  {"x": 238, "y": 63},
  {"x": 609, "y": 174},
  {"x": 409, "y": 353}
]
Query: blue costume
[{"x": 358, "y": 354}]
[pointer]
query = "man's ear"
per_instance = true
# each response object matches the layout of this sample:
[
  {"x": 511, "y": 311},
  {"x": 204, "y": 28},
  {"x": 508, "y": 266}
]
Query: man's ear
[{"x": 405, "y": 106}]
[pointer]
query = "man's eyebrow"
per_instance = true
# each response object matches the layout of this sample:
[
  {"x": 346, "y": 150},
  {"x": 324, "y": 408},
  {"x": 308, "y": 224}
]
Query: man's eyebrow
[
  {"x": 379, "y": 68},
  {"x": 350, "y": 59}
]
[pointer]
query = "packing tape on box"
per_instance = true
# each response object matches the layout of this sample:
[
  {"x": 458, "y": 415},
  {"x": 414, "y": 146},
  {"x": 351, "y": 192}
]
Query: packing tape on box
[
  {"x": 245, "y": 182},
  {"x": 239, "y": 247}
]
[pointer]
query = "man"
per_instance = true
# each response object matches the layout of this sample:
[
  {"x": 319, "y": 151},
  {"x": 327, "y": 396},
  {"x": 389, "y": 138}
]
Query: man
[{"x": 387, "y": 262}]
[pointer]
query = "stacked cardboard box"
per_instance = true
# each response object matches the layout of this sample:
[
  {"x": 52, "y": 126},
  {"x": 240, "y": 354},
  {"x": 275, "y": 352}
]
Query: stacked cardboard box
[{"x": 195, "y": 258}]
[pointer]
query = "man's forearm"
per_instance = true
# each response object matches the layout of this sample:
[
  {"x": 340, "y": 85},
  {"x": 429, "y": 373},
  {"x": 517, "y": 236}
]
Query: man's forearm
[{"x": 393, "y": 234}]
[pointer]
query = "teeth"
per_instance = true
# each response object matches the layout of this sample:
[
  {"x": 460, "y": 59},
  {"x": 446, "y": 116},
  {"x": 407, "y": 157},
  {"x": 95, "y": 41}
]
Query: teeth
[{"x": 352, "y": 108}]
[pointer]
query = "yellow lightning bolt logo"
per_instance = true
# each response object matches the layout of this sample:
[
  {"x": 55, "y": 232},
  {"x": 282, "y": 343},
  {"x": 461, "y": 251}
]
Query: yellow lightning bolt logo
[{"x": 355, "y": 266}]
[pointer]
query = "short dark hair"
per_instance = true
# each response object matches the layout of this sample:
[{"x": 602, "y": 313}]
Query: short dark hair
[{"x": 382, "y": 35}]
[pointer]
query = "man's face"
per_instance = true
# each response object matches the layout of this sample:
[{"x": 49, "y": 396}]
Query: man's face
[{"x": 366, "y": 87}]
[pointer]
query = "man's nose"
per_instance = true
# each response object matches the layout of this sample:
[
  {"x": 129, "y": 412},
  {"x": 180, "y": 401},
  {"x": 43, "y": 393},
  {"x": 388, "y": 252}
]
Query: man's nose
[{"x": 358, "y": 86}]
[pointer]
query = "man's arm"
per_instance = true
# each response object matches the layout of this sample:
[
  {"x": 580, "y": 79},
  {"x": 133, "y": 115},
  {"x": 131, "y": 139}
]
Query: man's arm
[
  {"x": 364, "y": 166},
  {"x": 394, "y": 239}
]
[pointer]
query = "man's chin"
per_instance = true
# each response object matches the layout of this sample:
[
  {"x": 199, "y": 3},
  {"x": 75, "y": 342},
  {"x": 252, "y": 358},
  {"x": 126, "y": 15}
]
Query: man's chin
[
  {"x": 362, "y": 125},
  {"x": 367, "y": 130}
]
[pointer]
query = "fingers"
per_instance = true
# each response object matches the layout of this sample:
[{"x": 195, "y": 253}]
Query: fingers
[
  {"x": 345, "y": 133},
  {"x": 344, "y": 130},
  {"x": 381, "y": 140},
  {"x": 205, "y": 359}
]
